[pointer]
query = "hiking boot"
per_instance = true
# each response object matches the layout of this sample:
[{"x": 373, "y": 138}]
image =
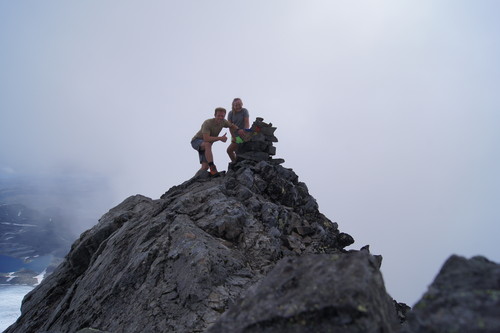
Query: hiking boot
[{"x": 213, "y": 170}]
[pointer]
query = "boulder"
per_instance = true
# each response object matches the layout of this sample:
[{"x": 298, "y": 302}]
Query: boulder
[
  {"x": 315, "y": 293},
  {"x": 464, "y": 297}
]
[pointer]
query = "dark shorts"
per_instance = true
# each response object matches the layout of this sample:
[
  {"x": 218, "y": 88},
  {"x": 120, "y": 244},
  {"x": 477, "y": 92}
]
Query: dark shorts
[{"x": 196, "y": 144}]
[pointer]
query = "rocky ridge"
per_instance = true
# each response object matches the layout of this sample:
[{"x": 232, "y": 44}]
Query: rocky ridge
[
  {"x": 247, "y": 251},
  {"x": 177, "y": 263}
]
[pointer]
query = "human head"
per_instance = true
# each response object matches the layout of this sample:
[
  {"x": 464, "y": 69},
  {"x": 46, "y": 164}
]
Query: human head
[
  {"x": 220, "y": 113},
  {"x": 237, "y": 104}
]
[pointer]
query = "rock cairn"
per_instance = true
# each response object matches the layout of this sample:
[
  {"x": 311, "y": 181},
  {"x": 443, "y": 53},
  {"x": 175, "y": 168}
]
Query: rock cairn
[{"x": 258, "y": 143}]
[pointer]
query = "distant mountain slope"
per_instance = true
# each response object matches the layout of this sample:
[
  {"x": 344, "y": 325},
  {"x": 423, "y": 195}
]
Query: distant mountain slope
[
  {"x": 40, "y": 217},
  {"x": 26, "y": 232}
]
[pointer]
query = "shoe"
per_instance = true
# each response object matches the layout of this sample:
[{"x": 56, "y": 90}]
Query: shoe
[{"x": 213, "y": 170}]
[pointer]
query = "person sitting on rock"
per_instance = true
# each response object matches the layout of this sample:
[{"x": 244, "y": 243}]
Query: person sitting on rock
[
  {"x": 240, "y": 117},
  {"x": 207, "y": 135}
]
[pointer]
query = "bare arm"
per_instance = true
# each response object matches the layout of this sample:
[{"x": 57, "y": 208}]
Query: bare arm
[{"x": 208, "y": 138}]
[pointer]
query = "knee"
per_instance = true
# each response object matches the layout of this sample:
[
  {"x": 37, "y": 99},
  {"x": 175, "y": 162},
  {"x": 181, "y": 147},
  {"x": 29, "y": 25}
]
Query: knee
[{"x": 207, "y": 145}]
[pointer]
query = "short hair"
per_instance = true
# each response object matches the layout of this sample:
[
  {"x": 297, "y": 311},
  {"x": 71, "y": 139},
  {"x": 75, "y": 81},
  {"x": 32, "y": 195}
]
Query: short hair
[{"x": 219, "y": 109}]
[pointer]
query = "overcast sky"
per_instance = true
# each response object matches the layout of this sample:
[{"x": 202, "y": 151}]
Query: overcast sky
[{"x": 388, "y": 110}]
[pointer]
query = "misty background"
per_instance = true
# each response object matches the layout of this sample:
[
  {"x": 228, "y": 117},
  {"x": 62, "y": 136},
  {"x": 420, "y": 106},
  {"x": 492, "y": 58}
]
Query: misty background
[{"x": 387, "y": 110}]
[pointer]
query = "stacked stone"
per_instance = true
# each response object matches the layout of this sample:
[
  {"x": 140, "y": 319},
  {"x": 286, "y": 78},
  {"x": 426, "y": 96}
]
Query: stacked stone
[{"x": 258, "y": 143}]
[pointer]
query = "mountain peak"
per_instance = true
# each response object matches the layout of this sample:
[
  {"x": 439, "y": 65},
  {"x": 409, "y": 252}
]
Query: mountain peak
[
  {"x": 247, "y": 251},
  {"x": 176, "y": 263}
]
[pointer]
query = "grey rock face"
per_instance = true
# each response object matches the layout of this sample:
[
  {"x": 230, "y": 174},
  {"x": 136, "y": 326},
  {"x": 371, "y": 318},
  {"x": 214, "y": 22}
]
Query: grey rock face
[
  {"x": 464, "y": 297},
  {"x": 248, "y": 251},
  {"x": 315, "y": 293},
  {"x": 177, "y": 263}
]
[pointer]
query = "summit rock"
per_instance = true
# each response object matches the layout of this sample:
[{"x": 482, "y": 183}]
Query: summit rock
[
  {"x": 178, "y": 263},
  {"x": 248, "y": 251}
]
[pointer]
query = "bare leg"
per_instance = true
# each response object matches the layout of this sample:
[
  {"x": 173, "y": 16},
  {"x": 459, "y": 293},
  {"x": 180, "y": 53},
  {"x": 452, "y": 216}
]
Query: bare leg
[
  {"x": 207, "y": 147},
  {"x": 231, "y": 151},
  {"x": 203, "y": 146}
]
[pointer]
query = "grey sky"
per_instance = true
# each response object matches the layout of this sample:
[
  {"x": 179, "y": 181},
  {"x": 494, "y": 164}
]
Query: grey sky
[{"x": 387, "y": 110}]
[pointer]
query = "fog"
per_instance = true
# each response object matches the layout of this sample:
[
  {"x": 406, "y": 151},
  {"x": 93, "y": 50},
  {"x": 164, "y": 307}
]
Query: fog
[{"x": 387, "y": 110}]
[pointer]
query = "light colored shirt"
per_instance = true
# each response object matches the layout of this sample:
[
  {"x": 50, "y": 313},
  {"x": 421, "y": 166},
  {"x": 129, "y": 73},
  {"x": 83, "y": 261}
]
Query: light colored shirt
[{"x": 211, "y": 127}]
